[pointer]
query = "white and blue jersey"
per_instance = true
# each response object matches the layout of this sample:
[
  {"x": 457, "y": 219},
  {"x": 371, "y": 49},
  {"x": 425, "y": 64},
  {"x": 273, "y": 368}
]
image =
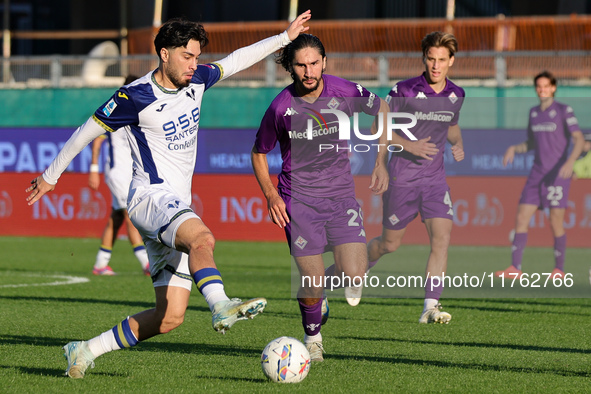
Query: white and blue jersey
[
  {"x": 118, "y": 167},
  {"x": 163, "y": 123},
  {"x": 162, "y": 130}
]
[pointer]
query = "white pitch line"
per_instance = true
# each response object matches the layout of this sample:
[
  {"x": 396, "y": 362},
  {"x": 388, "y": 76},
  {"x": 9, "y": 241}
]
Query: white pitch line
[{"x": 67, "y": 280}]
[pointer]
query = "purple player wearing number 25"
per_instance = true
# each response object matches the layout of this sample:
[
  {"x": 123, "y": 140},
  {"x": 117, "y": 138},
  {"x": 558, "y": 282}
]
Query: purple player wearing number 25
[{"x": 552, "y": 126}]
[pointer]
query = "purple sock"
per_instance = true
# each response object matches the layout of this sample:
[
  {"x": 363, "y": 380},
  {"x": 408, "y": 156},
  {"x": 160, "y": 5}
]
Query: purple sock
[
  {"x": 519, "y": 243},
  {"x": 559, "y": 251},
  {"x": 433, "y": 288},
  {"x": 371, "y": 264},
  {"x": 311, "y": 317}
]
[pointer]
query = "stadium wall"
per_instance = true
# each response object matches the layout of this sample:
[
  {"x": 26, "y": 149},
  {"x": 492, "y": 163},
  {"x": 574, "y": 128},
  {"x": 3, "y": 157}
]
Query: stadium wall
[
  {"x": 72, "y": 107},
  {"x": 225, "y": 192},
  {"x": 233, "y": 207}
]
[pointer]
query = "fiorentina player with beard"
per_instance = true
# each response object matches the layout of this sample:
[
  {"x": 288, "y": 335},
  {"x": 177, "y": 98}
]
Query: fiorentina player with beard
[
  {"x": 161, "y": 112},
  {"x": 314, "y": 201}
]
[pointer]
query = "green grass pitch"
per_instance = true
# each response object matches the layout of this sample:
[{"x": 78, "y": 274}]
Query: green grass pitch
[{"x": 493, "y": 344}]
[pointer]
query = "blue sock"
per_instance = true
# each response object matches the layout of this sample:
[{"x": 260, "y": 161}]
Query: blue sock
[{"x": 209, "y": 282}]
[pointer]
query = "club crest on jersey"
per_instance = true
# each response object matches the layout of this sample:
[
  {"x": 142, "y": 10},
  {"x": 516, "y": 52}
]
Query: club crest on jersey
[
  {"x": 552, "y": 113},
  {"x": 421, "y": 95},
  {"x": 191, "y": 93},
  {"x": 393, "y": 219},
  {"x": 300, "y": 242},
  {"x": 333, "y": 103},
  {"x": 109, "y": 107},
  {"x": 453, "y": 98}
]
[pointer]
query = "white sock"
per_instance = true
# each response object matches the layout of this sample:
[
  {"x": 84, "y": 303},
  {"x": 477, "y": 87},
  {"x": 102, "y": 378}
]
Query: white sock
[
  {"x": 430, "y": 303},
  {"x": 106, "y": 342},
  {"x": 214, "y": 293},
  {"x": 102, "y": 258},
  {"x": 142, "y": 255},
  {"x": 313, "y": 338},
  {"x": 102, "y": 344}
]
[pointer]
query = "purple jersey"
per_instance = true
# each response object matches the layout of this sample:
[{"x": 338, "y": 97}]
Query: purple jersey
[
  {"x": 435, "y": 113},
  {"x": 550, "y": 131},
  {"x": 306, "y": 169}
]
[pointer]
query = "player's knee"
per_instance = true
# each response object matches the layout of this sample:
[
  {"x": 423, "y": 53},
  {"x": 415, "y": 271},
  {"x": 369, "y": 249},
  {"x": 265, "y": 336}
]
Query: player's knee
[
  {"x": 389, "y": 246},
  {"x": 522, "y": 221},
  {"x": 440, "y": 241},
  {"x": 169, "y": 323},
  {"x": 205, "y": 240}
]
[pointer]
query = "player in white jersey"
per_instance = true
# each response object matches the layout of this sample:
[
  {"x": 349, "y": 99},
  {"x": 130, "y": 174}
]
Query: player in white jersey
[
  {"x": 162, "y": 110},
  {"x": 117, "y": 171}
]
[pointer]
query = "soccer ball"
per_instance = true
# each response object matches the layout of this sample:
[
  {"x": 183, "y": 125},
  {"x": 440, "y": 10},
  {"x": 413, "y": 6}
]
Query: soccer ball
[{"x": 285, "y": 360}]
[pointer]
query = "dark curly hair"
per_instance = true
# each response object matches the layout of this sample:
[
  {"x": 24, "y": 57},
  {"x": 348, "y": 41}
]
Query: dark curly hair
[
  {"x": 177, "y": 32},
  {"x": 287, "y": 54},
  {"x": 545, "y": 74}
]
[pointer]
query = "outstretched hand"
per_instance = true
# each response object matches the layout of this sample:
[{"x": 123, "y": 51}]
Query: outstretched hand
[
  {"x": 297, "y": 26},
  {"x": 37, "y": 189}
]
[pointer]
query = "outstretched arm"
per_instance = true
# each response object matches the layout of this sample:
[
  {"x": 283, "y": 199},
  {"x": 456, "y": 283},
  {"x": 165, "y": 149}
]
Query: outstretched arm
[
  {"x": 275, "y": 204},
  {"x": 46, "y": 182},
  {"x": 245, "y": 57},
  {"x": 513, "y": 149}
]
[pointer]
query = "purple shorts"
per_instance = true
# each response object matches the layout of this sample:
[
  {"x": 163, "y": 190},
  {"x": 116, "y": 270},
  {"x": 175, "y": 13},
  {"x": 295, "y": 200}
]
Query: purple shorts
[
  {"x": 318, "y": 224},
  {"x": 545, "y": 190},
  {"x": 403, "y": 204}
]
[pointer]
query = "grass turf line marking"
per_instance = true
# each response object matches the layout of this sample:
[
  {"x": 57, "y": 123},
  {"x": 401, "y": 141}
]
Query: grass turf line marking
[{"x": 67, "y": 280}]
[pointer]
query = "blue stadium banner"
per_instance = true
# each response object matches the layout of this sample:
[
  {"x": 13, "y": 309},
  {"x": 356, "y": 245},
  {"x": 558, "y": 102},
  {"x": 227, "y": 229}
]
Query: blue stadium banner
[{"x": 227, "y": 151}]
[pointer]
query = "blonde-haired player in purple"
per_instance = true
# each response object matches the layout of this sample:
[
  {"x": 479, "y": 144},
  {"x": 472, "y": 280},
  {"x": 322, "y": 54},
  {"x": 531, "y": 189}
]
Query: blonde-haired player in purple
[
  {"x": 417, "y": 174},
  {"x": 552, "y": 126},
  {"x": 315, "y": 197}
]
